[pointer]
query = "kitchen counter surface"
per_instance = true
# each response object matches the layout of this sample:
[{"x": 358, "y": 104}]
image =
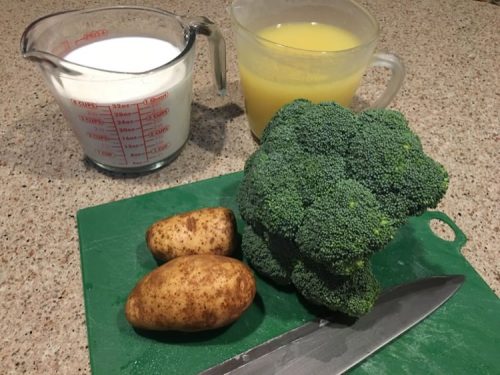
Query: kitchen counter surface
[{"x": 450, "y": 96}]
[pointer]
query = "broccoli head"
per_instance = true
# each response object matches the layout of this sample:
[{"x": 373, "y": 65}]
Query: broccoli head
[
  {"x": 387, "y": 157},
  {"x": 325, "y": 190},
  {"x": 282, "y": 129},
  {"x": 387, "y": 117},
  {"x": 314, "y": 174},
  {"x": 343, "y": 227},
  {"x": 315, "y": 135},
  {"x": 267, "y": 260},
  {"x": 269, "y": 196},
  {"x": 352, "y": 295}
]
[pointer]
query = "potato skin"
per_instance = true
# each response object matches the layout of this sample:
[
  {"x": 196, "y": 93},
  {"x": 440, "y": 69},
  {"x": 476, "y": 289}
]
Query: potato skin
[
  {"x": 191, "y": 293},
  {"x": 209, "y": 230}
]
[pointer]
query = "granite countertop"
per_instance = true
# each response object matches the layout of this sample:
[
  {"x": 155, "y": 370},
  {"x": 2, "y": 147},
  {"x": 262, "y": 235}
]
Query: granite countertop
[{"x": 450, "y": 96}]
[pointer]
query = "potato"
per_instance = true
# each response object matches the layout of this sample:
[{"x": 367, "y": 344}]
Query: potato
[
  {"x": 191, "y": 293},
  {"x": 204, "y": 231}
]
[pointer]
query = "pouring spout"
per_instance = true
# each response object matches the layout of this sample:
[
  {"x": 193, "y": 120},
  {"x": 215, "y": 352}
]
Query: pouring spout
[
  {"x": 41, "y": 58},
  {"x": 36, "y": 43},
  {"x": 45, "y": 59}
]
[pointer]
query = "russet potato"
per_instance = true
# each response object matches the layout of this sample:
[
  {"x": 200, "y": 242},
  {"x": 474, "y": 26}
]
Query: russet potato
[
  {"x": 205, "y": 231},
  {"x": 191, "y": 293}
]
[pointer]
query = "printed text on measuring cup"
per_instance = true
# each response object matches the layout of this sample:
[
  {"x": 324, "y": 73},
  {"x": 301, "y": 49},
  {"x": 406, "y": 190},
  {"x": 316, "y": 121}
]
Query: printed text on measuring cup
[{"x": 126, "y": 134}]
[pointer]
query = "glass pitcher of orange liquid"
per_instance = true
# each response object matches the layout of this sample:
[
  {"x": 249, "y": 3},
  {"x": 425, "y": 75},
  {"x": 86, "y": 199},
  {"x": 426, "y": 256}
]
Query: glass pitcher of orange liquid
[{"x": 312, "y": 49}]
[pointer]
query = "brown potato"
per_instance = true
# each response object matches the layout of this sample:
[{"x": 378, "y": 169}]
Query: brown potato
[
  {"x": 204, "y": 231},
  {"x": 191, "y": 293}
]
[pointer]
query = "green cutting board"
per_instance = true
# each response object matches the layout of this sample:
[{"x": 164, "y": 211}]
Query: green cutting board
[{"x": 462, "y": 337}]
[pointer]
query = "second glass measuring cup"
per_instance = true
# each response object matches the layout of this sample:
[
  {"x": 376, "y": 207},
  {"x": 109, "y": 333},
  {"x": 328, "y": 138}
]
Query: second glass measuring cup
[
  {"x": 311, "y": 49},
  {"x": 123, "y": 79}
]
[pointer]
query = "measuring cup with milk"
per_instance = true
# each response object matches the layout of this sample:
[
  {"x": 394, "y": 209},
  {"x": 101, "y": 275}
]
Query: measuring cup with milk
[{"x": 123, "y": 79}]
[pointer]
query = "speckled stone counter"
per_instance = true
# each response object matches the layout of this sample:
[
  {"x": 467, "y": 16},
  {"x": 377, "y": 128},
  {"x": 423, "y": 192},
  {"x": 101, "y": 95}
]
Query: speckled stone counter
[{"x": 451, "y": 97}]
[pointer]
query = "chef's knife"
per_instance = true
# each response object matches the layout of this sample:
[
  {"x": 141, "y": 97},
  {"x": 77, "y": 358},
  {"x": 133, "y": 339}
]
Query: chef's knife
[{"x": 325, "y": 347}]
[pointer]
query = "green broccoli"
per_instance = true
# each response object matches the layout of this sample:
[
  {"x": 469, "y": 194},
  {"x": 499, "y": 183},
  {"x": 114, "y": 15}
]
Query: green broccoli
[
  {"x": 387, "y": 157},
  {"x": 314, "y": 174},
  {"x": 353, "y": 295},
  {"x": 326, "y": 189},
  {"x": 387, "y": 117},
  {"x": 285, "y": 121},
  {"x": 270, "y": 196},
  {"x": 314, "y": 133},
  {"x": 343, "y": 227},
  {"x": 276, "y": 265}
]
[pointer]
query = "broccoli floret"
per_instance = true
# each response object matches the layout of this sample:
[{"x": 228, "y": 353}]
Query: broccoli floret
[
  {"x": 387, "y": 157},
  {"x": 316, "y": 173},
  {"x": 327, "y": 129},
  {"x": 276, "y": 265},
  {"x": 325, "y": 190},
  {"x": 343, "y": 226},
  {"x": 353, "y": 295},
  {"x": 424, "y": 183},
  {"x": 269, "y": 196},
  {"x": 281, "y": 130},
  {"x": 386, "y": 117}
]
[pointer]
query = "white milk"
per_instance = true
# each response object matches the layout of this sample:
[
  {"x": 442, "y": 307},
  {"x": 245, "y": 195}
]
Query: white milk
[
  {"x": 126, "y": 54},
  {"x": 127, "y": 120}
]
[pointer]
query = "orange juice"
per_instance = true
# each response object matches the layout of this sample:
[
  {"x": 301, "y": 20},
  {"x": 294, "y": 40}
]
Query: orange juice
[{"x": 270, "y": 80}]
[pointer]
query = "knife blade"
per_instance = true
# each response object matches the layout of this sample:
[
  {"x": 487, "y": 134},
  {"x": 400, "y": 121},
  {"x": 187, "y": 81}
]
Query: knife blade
[{"x": 326, "y": 347}]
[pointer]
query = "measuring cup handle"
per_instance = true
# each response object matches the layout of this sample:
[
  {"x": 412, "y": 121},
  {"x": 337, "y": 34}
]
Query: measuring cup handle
[
  {"x": 394, "y": 63},
  {"x": 217, "y": 47}
]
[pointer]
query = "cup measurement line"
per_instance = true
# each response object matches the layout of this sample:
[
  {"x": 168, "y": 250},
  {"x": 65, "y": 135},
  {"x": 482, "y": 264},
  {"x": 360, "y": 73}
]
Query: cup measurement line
[
  {"x": 118, "y": 135},
  {"x": 127, "y": 132},
  {"x": 142, "y": 131}
]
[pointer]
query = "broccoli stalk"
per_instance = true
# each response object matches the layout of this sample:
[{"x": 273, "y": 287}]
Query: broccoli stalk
[{"x": 326, "y": 189}]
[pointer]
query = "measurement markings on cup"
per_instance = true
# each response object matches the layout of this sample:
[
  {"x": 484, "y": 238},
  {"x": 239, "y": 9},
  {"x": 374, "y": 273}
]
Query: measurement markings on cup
[
  {"x": 127, "y": 133},
  {"x": 142, "y": 131},
  {"x": 118, "y": 135}
]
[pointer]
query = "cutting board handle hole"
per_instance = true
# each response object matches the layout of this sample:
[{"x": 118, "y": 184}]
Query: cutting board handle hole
[{"x": 442, "y": 230}]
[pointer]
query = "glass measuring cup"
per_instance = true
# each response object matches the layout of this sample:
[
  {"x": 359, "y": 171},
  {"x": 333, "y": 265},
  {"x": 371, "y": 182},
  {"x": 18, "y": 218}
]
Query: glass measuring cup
[
  {"x": 125, "y": 121},
  {"x": 273, "y": 74}
]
